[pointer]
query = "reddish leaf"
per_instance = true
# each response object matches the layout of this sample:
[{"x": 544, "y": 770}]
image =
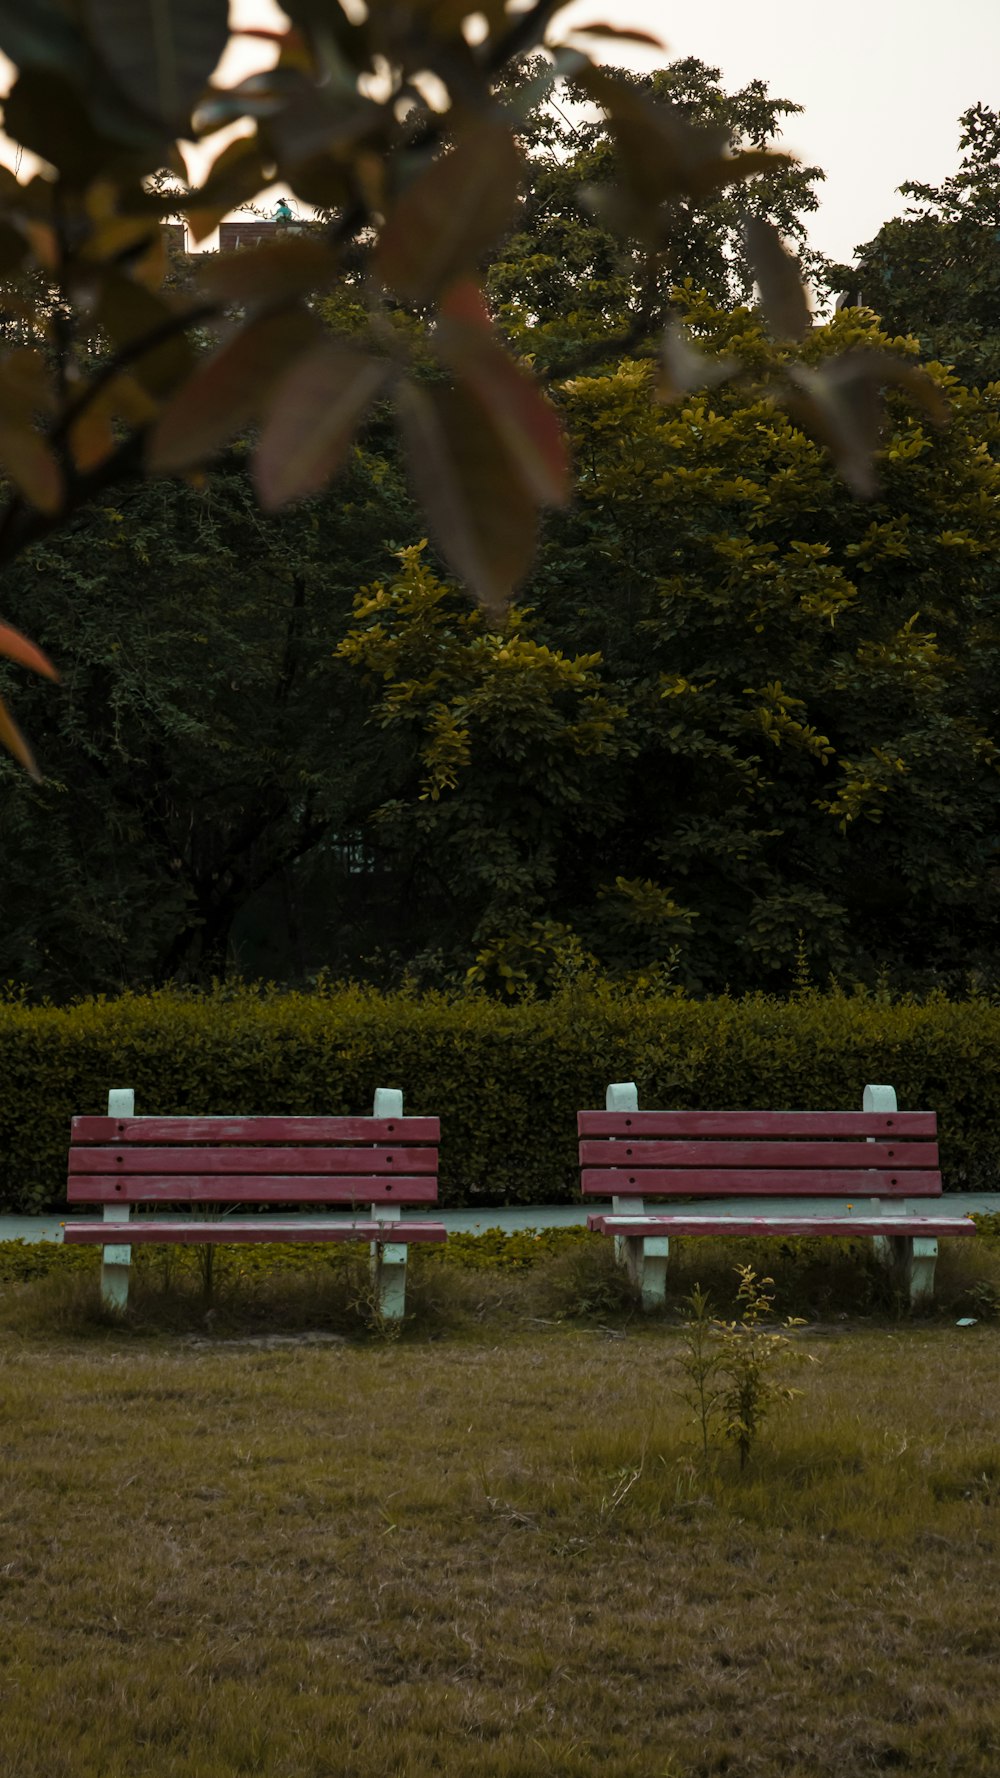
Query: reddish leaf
[
  {"x": 272, "y": 273},
  {"x": 840, "y": 405},
  {"x": 622, "y": 34},
  {"x": 444, "y": 221},
  {"x": 315, "y": 413},
  {"x": 234, "y": 178},
  {"x": 480, "y": 512},
  {"x": 684, "y": 367},
  {"x": 17, "y": 648},
  {"x": 663, "y": 156},
  {"x": 227, "y": 391},
  {"x": 160, "y": 51},
  {"x": 779, "y": 281},
  {"x": 130, "y": 314},
  {"x": 15, "y": 743},
  {"x": 524, "y": 422}
]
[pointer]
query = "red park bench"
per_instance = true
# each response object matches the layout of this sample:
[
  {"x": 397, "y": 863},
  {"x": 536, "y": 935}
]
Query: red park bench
[
  {"x": 376, "y": 1165},
  {"x": 874, "y": 1161}
]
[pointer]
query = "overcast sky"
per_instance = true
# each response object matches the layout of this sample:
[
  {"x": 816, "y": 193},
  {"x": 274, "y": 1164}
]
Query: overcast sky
[{"x": 882, "y": 84}]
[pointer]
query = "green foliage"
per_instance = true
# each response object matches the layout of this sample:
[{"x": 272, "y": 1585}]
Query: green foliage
[
  {"x": 730, "y": 1367},
  {"x": 113, "y": 369},
  {"x": 566, "y": 278},
  {"x": 750, "y": 1356},
  {"x": 507, "y": 1080},
  {"x": 191, "y": 760},
  {"x": 781, "y": 735},
  {"x": 934, "y": 273}
]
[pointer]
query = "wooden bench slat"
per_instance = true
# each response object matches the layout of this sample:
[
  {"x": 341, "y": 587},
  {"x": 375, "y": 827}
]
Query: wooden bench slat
[
  {"x": 847, "y": 1226},
  {"x": 258, "y": 1188},
  {"x": 894, "y": 1124},
  {"x": 312, "y": 1160},
  {"x": 319, "y": 1130},
  {"x": 761, "y": 1183},
  {"x": 655, "y": 1153},
  {"x": 144, "y": 1231}
]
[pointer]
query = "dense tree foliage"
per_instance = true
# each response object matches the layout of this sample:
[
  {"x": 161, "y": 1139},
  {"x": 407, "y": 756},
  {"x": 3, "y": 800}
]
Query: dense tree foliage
[
  {"x": 203, "y": 739},
  {"x": 399, "y": 122},
  {"x": 567, "y": 277},
  {"x": 783, "y": 731},
  {"x": 934, "y": 273}
]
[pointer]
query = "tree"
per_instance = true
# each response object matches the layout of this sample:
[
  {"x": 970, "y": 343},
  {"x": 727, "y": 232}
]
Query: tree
[
  {"x": 565, "y": 279},
  {"x": 934, "y": 273},
  {"x": 797, "y": 694},
  {"x": 119, "y": 381},
  {"x": 204, "y": 743}
]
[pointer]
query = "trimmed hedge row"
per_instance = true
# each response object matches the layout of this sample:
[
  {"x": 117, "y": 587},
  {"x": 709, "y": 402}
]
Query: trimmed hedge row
[{"x": 506, "y": 1080}]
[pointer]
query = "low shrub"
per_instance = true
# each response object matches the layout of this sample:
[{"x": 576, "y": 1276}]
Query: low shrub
[{"x": 506, "y": 1080}]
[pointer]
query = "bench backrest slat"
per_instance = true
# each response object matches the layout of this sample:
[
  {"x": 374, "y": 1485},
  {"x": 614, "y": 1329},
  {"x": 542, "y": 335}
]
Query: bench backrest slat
[
  {"x": 780, "y": 1124},
  {"x": 747, "y": 1154},
  {"x": 758, "y": 1154},
  {"x": 761, "y": 1183},
  {"x": 196, "y": 1159},
  {"x": 255, "y": 1129},
  {"x": 255, "y": 1160}
]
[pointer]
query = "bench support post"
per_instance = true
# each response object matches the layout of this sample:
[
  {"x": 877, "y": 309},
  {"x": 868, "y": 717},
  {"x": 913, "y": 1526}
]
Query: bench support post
[
  {"x": 644, "y": 1257},
  {"x": 913, "y": 1258},
  {"x": 388, "y": 1258},
  {"x": 388, "y": 1272},
  {"x": 116, "y": 1261}
]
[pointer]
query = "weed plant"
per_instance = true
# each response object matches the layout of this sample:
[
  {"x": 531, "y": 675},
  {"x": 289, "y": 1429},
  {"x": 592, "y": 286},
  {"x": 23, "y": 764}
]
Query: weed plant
[{"x": 488, "y": 1553}]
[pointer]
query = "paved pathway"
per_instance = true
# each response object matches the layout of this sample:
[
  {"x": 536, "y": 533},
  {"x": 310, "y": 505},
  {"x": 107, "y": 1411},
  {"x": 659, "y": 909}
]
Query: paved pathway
[{"x": 545, "y": 1216}]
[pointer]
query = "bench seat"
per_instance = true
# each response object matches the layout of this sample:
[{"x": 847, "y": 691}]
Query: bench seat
[
  {"x": 723, "y": 1223},
  {"x": 194, "y": 1231},
  {"x": 872, "y": 1173},
  {"x": 367, "y": 1168}
]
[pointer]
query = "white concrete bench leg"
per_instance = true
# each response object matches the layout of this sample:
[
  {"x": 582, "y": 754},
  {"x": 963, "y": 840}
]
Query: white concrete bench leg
[
  {"x": 644, "y": 1257},
  {"x": 911, "y": 1257},
  {"x": 116, "y": 1261},
  {"x": 388, "y": 1258},
  {"x": 388, "y": 1270}
]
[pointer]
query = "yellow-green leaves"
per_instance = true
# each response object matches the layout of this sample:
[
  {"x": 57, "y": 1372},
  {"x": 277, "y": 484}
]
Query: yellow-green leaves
[{"x": 444, "y": 221}]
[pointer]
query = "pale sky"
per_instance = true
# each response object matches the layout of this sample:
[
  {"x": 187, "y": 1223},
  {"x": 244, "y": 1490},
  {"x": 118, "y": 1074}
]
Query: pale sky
[{"x": 882, "y": 84}]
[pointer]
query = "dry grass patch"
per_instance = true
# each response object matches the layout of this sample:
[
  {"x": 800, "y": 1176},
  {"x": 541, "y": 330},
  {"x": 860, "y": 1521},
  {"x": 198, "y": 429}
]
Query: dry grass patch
[{"x": 492, "y": 1552}]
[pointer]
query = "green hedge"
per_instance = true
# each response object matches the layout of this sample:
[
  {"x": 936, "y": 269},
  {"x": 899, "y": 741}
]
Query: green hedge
[{"x": 506, "y": 1080}]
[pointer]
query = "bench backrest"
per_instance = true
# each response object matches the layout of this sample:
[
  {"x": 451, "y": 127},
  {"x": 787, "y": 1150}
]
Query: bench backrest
[
  {"x": 747, "y": 1154},
  {"x": 248, "y": 1160}
]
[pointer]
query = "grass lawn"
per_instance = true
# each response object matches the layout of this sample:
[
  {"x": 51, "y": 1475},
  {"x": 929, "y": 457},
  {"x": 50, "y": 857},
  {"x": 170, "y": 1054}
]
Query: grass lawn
[{"x": 488, "y": 1549}]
